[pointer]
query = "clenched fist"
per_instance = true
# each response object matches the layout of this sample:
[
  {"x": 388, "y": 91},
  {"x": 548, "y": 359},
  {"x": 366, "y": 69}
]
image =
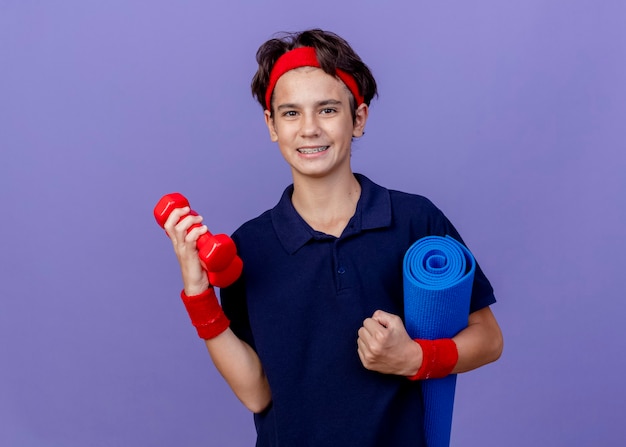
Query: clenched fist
[{"x": 385, "y": 346}]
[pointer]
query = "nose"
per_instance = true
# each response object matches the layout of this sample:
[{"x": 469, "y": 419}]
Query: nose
[{"x": 309, "y": 125}]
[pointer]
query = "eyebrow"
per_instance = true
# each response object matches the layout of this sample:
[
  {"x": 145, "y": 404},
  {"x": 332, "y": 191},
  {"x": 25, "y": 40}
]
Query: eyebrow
[{"x": 325, "y": 102}]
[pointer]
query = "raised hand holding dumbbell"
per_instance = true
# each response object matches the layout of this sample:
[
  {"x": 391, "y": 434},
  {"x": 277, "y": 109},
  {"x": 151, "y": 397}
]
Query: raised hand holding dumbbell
[{"x": 217, "y": 253}]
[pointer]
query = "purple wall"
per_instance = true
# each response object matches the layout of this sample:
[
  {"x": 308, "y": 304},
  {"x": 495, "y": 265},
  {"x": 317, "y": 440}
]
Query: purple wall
[{"x": 510, "y": 117}]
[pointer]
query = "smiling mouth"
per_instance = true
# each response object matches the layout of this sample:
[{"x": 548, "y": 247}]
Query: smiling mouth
[{"x": 312, "y": 150}]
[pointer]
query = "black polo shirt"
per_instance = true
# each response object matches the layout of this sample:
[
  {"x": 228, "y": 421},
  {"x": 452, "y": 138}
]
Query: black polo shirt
[{"x": 299, "y": 303}]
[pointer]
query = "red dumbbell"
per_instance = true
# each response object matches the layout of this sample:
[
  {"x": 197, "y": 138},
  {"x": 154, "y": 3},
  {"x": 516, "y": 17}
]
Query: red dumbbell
[
  {"x": 229, "y": 275},
  {"x": 218, "y": 253}
]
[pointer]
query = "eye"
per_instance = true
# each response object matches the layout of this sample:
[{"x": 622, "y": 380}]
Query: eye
[
  {"x": 328, "y": 110},
  {"x": 289, "y": 113}
]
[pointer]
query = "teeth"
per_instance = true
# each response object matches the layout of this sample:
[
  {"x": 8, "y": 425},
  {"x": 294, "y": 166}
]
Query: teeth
[{"x": 313, "y": 150}]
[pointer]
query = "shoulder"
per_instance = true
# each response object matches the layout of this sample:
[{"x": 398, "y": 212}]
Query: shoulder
[
  {"x": 417, "y": 210},
  {"x": 420, "y": 215},
  {"x": 402, "y": 202},
  {"x": 253, "y": 227},
  {"x": 404, "y": 210},
  {"x": 412, "y": 203}
]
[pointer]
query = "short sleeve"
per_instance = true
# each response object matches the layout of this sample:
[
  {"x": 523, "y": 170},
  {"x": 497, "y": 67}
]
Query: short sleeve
[{"x": 482, "y": 291}]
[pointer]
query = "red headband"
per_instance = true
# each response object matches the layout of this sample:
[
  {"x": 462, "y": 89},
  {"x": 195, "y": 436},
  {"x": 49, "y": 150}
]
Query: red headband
[{"x": 305, "y": 57}]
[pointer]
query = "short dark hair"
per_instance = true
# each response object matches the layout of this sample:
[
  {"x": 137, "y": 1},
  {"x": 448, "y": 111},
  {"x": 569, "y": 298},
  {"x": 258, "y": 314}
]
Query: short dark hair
[{"x": 332, "y": 52}]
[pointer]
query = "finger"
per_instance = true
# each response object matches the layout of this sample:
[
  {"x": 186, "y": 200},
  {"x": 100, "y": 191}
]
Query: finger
[
  {"x": 370, "y": 332},
  {"x": 362, "y": 332},
  {"x": 361, "y": 356},
  {"x": 185, "y": 235},
  {"x": 173, "y": 220},
  {"x": 381, "y": 316},
  {"x": 367, "y": 339},
  {"x": 360, "y": 345},
  {"x": 187, "y": 222},
  {"x": 363, "y": 353},
  {"x": 374, "y": 327},
  {"x": 182, "y": 228},
  {"x": 175, "y": 216},
  {"x": 193, "y": 234},
  {"x": 386, "y": 319}
]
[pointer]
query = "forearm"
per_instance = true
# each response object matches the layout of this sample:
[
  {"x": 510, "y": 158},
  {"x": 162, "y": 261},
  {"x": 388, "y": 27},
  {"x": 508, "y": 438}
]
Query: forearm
[
  {"x": 238, "y": 363},
  {"x": 241, "y": 368},
  {"x": 479, "y": 343},
  {"x": 385, "y": 346}
]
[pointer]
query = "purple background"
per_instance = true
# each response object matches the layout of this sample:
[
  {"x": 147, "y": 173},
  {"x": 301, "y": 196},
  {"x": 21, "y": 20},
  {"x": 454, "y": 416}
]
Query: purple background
[{"x": 509, "y": 115}]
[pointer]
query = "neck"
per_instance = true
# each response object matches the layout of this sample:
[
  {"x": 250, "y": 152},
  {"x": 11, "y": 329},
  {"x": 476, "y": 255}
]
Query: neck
[{"x": 327, "y": 204}]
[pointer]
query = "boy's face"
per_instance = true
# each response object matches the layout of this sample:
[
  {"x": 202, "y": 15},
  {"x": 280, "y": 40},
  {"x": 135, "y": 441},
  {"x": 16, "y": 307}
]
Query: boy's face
[{"x": 312, "y": 122}]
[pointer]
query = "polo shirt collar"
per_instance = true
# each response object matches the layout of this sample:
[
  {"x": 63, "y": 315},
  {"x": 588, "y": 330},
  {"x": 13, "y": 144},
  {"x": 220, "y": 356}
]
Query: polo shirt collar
[{"x": 373, "y": 211}]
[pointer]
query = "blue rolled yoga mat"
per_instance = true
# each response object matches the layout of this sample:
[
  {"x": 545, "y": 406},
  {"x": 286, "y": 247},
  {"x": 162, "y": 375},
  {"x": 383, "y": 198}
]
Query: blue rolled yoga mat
[{"x": 438, "y": 277}]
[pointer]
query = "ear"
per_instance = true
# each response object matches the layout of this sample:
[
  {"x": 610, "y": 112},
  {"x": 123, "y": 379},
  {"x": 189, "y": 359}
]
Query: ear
[
  {"x": 360, "y": 119},
  {"x": 269, "y": 122}
]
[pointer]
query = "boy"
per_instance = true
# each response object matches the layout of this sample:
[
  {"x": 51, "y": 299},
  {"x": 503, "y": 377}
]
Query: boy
[{"x": 311, "y": 337}]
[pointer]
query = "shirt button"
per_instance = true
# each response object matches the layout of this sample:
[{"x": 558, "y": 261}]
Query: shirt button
[{"x": 341, "y": 270}]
